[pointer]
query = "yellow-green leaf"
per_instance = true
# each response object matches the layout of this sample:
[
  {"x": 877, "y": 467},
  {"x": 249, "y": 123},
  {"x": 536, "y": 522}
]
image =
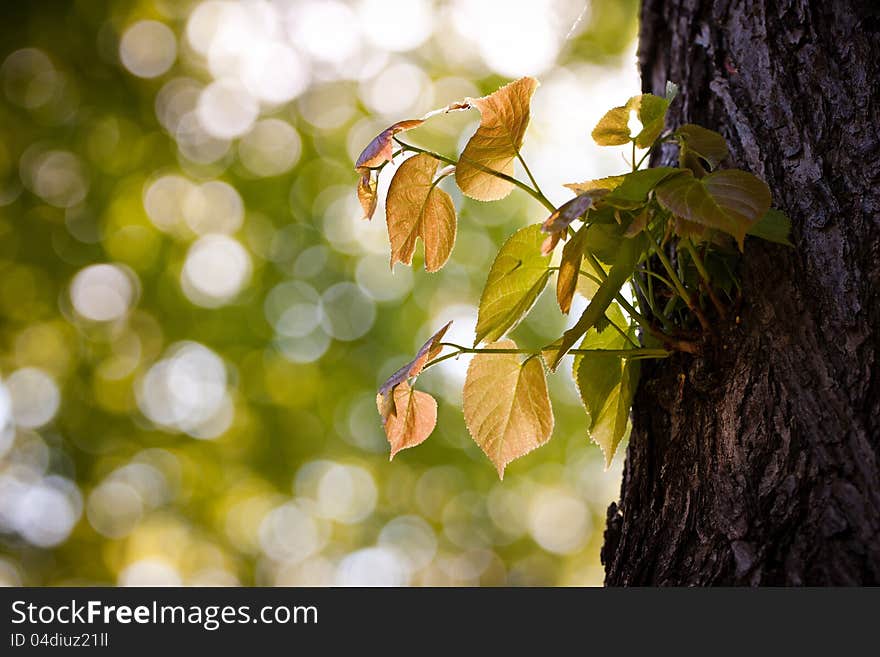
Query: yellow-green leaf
[
  {"x": 634, "y": 188},
  {"x": 506, "y": 405},
  {"x": 496, "y": 143},
  {"x": 652, "y": 113},
  {"x": 607, "y": 184},
  {"x": 516, "y": 278},
  {"x": 730, "y": 200},
  {"x": 606, "y": 384},
  {"x": 613, "y": 128},
  {"x": 416, "y": 207},
  {"x": 410, "y": 419},
  {"x": 621, "y": 269}
]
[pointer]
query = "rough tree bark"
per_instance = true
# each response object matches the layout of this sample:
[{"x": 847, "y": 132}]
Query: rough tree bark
[{"x": 759, "y": 462}]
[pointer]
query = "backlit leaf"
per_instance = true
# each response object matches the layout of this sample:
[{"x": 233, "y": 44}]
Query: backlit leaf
[
  {"x": 506, "y": 405},
  {"x": 707, "y": 144},
  {"x": 730, "y": 200},
  {"x": 560, "y": 220},
  {"x": 367, "y": 192},
  {"x": 379, "y": 150},
  {"x": 633, "y": 190},
  {"x": 613, "y": 128},
  {"x": 606, "y": 384},
  {"x": 416, "y": 207},
  {"x": 516, "y": 278},
  {"x": 550, "y": 242},
  {"x": 608, "y": 183},
  {"x": 621, "y": 269},
  {"x": 427, "y": 352},
  {"x": 496, "y": 143},
  {"x": 652, "y": 113},
  {"x": 569, "y": 269},
  {"x": 410, "y": 419},
  {"x": 774, "y": 226}
]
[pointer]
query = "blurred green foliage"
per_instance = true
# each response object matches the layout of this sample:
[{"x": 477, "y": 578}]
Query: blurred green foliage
[{"x": 202, "y": 411}]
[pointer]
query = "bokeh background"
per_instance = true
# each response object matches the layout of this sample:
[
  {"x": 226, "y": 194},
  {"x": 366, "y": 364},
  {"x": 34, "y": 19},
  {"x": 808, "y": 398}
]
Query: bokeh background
[{"x": 194, "y": 318}]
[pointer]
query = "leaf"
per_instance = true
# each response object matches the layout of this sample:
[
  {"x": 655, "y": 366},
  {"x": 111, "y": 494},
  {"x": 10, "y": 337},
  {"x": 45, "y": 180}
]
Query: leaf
[
  {"x": 416, "y": 207},
  {"x": 671, "y": 90},
  {"x": 633, "y": 191},
  {"x": 730, "y": 200},
  {"x": 379, "y": 150},
  {"x": 652, "y": 114},
  {"x": 707, "y": 144},
  {"x": 569, "y": 269},
  {"x": 560, "y": 220},
  {"x": 506, "y": 405},
  {"x": 412, "y": 417},
  {"x": 367, "y": 192},
  {"x": 608, "y": 183},
  {"x": 613, "y": 128},
  {"x": 496, "y": 143},
  {"x": 604, "y": 240},
  {"x": 517, "y": 276},
  {"x": 638, "y": 224},
  {"x": 621, "y": 269},
  {"x": 550, "y": 242},
  {"x": 606, "y": 384},
  {"x": 428, "y": 351},
  {"x": 774, "y": 226}
]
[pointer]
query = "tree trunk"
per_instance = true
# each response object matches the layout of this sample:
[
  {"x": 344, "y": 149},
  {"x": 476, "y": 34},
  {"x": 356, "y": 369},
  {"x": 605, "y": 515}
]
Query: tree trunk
[{"x": 759, "y": 462}]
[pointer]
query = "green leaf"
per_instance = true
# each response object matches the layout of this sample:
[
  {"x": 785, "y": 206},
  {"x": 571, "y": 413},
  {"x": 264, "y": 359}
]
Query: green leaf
[
  {"x": 671, "y": 90},
  {"x": 633, "y": 192},
  {"x": 707, "y": 144},
  {"x": 604, "y": 240},
  {"x": 613, "y": 128},
  {"x": 606, "y": 383},
  {"x": 652, "y": 114},
  {"x": 774, "y": 226},
  {"x": 621, "y": 269},
  {"x": 729, "y": 200},
  {"x": 515, "y": 280}
]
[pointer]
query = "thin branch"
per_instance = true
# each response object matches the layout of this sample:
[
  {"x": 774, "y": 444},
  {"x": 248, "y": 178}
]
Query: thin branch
[
  {"x": 534, "y": 193},
  {"x": 704, "y": 274},
  {"x": 640, "y": 352}
]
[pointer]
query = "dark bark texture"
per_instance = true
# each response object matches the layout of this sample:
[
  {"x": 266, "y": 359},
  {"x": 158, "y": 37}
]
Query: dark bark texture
[{"x": 759, "y": 462}]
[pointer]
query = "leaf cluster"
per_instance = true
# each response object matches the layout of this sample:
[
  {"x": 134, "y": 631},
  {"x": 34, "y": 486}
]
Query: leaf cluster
[{"x": 671, "y": 235}]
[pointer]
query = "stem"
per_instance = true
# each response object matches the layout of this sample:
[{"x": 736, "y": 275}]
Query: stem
[
  {"x": 534, "y": 193},
  {"x": 662, "y": 279},
  {"x": 623, "y": 333},
  {"x": 529, "y": 174},
  {"x": 640, "y": 352},
  {"x": 704, "y": 274},
  {"x": 680, "y": 288}
]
